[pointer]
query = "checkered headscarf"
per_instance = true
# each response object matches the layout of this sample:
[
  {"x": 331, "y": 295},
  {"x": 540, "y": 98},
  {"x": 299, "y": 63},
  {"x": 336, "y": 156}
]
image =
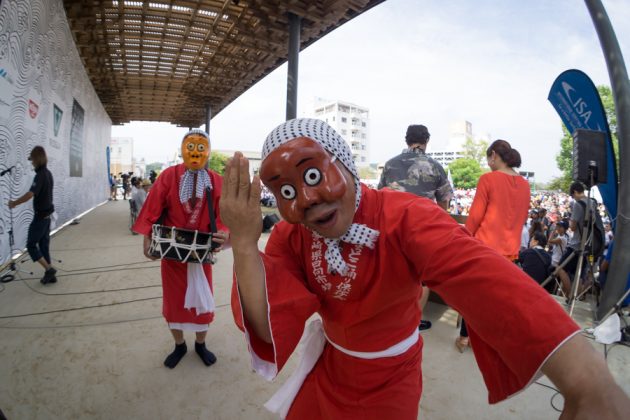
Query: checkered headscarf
[
  {"x": 187, "y": 179},
  {"x": 332, "y": 142}
]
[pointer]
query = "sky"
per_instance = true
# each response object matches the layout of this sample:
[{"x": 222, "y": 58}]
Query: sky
[{"x": 427, "y": 62}]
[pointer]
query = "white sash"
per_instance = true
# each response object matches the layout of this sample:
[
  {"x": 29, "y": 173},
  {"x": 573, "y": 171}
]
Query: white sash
[
  {"x": 198, "y": 293},
  {"x": 312, "y": 344}
]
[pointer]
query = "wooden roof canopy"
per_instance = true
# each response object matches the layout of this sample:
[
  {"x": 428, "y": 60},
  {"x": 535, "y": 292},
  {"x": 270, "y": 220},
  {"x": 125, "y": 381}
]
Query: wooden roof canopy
[{"x": 164, "y": 60}]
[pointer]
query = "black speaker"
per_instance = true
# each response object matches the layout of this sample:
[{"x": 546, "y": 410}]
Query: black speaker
[
  {"x": 589, "y": 157},
  {"x": 268, "y": 221}
]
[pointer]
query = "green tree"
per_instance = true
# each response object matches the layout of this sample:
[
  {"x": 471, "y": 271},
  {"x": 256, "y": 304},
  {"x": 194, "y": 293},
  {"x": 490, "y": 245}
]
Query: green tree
[
  {"x": 155, "y": 166},
  {"x": 367, "y": 172},
  {"x": 560, "y": 183},
  {"x": 465, "y": 172},
  {"x": 475, "y": 149},
  {"x": 217, "y": 162},
  {"x": 564, "y": 158}
]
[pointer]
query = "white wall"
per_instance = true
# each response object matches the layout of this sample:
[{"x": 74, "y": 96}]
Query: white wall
[{"x": 41, "y": 74}]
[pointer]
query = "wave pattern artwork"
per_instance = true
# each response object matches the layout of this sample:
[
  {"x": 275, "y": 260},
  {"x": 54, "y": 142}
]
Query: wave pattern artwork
[{"x": 41, "y": 79}]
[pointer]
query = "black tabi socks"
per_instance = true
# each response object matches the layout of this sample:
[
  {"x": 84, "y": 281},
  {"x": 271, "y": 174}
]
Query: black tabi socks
[
  {"x": 206, "y": 356},
  {"x": 173, "y": 359}
]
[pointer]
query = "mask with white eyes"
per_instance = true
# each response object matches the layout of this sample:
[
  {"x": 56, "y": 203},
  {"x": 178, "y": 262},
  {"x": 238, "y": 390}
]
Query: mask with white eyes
[
  {"x": 302, "y": 175},
  {"x": 195, "y": 151}
]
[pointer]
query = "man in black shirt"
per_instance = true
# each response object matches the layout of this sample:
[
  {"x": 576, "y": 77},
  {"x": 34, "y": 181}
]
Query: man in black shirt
[
  {"x": 41, "y": 191},
  {"x": 535, "y": 261}
]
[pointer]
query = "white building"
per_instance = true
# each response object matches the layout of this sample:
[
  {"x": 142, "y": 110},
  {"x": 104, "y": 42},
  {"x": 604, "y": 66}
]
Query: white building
[
  {"x": 459, "y": 132},
  {"x": 121, "y": 155},
  {"x": 140, "y": 168},
  {"x": 350, "y": 121},
  {"x": 445, "y": 157},
  {"x": 255, "y": 159}
]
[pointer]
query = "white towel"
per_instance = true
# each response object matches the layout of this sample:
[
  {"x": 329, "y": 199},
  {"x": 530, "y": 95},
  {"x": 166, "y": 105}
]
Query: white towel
[
  {"x": 313, "y": 342},
  {"x": 198, "y": 293}
]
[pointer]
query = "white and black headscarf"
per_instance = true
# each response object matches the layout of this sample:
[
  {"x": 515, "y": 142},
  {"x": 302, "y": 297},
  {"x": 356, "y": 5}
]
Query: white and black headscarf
[
  {"x": 332, "y": 142},
  {"x": 187, "y": 181}
]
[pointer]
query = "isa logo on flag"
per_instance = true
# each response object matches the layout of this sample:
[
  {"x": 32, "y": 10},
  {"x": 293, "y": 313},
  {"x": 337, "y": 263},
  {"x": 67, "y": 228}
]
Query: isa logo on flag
[{"x": 577, "y": 102}]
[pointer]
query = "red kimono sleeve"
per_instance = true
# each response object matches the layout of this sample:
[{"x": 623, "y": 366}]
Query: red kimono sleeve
[
  {"x": 290, "y": 303},
  {"x": 514, "y": 324},
  {"x": 478, "y": 207},
  {"x": 155, "y": 203}
]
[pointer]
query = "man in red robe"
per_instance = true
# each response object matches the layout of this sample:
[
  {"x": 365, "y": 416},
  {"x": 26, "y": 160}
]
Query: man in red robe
[
  {"x": 357, "y": 257},
  {"x": 179, "y": 196}
]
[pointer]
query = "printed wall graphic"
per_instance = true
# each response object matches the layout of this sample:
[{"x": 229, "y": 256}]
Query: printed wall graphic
[
  {"x": 76, "y": 140},
  {"x": 41, "y": 79},
  {"x": 6, "y": 93},
  {"x": 32, "y": 108},
  {"x": 57, "y": 116}
]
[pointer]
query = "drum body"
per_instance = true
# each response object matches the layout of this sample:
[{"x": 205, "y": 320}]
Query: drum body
[{"x": 183, "y": 245}]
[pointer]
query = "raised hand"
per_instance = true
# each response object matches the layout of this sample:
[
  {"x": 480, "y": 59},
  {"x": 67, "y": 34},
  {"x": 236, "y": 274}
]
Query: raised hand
[
  {"x": 240, "y": 202},
  {"x": 240, "y": 212}
]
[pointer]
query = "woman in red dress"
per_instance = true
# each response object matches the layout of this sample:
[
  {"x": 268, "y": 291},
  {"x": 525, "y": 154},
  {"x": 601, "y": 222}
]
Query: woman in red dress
[{"x": 499, "y": 209}]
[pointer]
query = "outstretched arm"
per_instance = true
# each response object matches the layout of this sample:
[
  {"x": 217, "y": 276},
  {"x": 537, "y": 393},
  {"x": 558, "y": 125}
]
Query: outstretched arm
[
  {"x": 27, "y": 196},
  {"x": 583, "y": 378},
  {"x": 240, "y": 212}
]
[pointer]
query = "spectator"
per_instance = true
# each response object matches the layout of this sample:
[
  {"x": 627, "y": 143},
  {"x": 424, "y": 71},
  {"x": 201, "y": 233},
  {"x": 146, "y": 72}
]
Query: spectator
[
  {"x": 535, "y": 261},
  {"x": 141, "y": 193},
  {"x": 608, "y": 235},
  {"x": 544, "y": 220},
  {"x": 499, "y": 209},
  {"x": 524, "y": 237},
  {"x": 125, "y": 185},
  {"x": 112, "y": 187},
  {"x": 536, "y": 226},
  {"x": 533, "y": 217},
  {"x": 414, "y": 172},
  {"x": 576, "y": 224},
  {"x": 559, "y": 239}
]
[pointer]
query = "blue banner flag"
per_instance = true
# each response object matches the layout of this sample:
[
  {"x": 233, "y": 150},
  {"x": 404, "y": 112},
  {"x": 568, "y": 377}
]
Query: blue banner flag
[{"x": 575, "y": 98}]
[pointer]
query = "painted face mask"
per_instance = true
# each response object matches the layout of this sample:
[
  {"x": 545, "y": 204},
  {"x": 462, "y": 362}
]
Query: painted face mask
[
  {"x": 300, "y": 174},
  {"x": 299, "y": 165},
  {"x": 195, "y": 150}
]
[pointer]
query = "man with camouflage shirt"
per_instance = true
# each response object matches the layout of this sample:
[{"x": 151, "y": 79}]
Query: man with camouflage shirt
[{"x": 416, "y": 173}]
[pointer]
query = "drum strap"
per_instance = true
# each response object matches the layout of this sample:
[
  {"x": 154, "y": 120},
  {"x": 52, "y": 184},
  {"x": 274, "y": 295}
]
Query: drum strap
[{"x": 213, "y": 222}]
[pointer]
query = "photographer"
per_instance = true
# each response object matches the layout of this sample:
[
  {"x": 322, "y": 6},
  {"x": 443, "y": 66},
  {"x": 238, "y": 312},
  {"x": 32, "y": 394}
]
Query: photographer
[
  {"x": 125, "y": 183},
  {"x": 576, "y": 191}
]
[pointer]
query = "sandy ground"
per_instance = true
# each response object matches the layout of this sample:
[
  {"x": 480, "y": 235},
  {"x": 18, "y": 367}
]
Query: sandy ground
[{"x": 92, "y": 345}]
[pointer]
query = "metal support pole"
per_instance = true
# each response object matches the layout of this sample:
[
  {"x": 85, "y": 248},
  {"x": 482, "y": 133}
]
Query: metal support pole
[
  {"x": 295, "y": 23},
  {"x": 620, "y": 85},
  {"x": 208, "y": 117}
]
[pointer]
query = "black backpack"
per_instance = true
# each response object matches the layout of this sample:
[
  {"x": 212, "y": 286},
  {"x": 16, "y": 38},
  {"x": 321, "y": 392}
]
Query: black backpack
[{"x": 598, "y": 244}]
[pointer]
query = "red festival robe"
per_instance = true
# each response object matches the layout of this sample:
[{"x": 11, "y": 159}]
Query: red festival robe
[
  {"x": 375, "y": 307},
  {"x": 164, "y": 195}
]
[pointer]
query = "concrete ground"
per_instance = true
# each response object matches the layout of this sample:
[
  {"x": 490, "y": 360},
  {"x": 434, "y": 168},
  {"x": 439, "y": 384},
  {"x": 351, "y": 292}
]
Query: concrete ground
[{"x": 92, "y": 345}]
